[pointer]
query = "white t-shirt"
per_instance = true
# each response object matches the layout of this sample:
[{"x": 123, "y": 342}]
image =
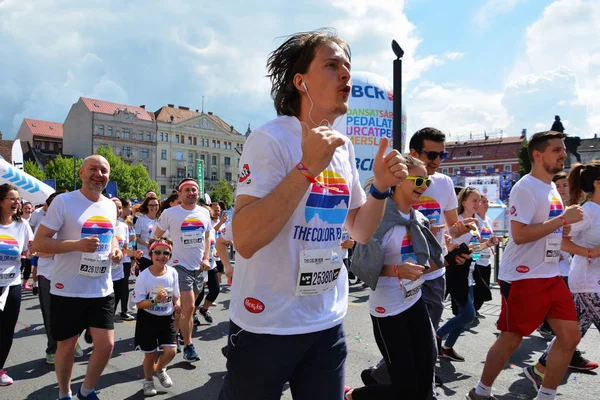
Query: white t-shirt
[
  {"x": 126, "y": 259},
  {"x": 531, "y": 202},
  {"x": 212, "y": 260},
  {"x": 36, "y": 217},
  {"x": 583, "y": 277},
  {"x": 147, "y": 286},
  {"x": 14, "y": 239},
  {"x": 187, "y": 226},
  {"x": 264, "y": 296},
  {"x": 437, "y": 199},
  {"x": 74, "y": 217},
  {"x": 389, "y": 299},
  {"x": 144, "y": 227},
  {"x": 45, "y": 264},
  {"x": 486, "y": 232},
  {"x": 122, "y": 235}
]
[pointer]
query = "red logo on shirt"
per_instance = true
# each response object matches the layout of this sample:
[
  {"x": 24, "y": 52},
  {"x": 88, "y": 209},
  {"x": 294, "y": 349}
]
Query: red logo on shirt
[
  {"x": 175, "y": 262},
  {"x": 513, "y": 210},
  {"x": 59, "y": 286},
  {"x": 522, "y": 269},
  {"x": 380, "y": 310},
  {"x": 244, "y": 173},
  {"x": 253, "y": 305}
]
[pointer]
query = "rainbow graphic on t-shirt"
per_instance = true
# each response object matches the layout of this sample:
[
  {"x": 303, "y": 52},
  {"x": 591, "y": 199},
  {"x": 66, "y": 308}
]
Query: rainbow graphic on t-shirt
[
  {"x": 192, "y": 224},
  {"x": 9, "y": 249},
  {"x": 486, "y": 233},
  {"x": 120, "y": 240},
  {"x": 556, "y": 208},
  {"x": 406, "y": 250},
  {"x": 101, "y": 226},
  {"x": 329, "y": 204},
  {"x": 430, "y": 208}
]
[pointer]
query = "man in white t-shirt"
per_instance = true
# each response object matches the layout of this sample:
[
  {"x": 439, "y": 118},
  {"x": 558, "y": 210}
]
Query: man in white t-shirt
[
  {"x": 82, "y": 292},
  {"x": 189, "y": 226},
  {"x": 530, "y": 282},
  {"x": 298, "y": 188}
]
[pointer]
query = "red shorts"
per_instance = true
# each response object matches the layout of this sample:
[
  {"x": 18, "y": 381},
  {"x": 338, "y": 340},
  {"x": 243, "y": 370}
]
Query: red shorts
[{"x": 528, "y": 302}]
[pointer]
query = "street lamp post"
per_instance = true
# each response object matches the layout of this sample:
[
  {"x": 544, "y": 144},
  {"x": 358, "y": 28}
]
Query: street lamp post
[{"x": 397, "y": 125}]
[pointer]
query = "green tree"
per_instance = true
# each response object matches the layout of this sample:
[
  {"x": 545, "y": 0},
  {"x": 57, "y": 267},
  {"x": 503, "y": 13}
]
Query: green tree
[
  {"x": 524, "y": 161},
  {"x": 61, "y": 169},
  {"x": 222, "y": 192},
  {"x": 34, "y": 170},
  {"x": 142, "y": 180}
]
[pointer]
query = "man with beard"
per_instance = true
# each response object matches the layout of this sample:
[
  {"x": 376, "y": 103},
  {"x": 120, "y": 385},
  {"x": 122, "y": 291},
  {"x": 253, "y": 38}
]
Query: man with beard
[{"x": 530, "y": 282}]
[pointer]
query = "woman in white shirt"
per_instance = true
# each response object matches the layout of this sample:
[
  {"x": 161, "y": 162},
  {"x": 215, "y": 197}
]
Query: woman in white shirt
[
  {"x": 144, "y": 228},
  {"x": 483, "y": 269},
  {"x": 15, "y": 236}
]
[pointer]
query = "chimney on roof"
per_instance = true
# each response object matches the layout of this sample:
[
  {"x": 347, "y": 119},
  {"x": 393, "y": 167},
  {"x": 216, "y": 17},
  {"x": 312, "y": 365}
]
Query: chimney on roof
[
  {"x": 210, "y": 113},
  {"x": 171, "y": 105},
  {"x": 524, "y": 134},
  {"x": 184, "y": 108},
  {"x": 172, "y": 117},
  {"x": 143, "y": 106}
]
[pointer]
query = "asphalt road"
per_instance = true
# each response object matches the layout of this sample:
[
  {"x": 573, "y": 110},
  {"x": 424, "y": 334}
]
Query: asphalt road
[{"x": 122, "y": 378}]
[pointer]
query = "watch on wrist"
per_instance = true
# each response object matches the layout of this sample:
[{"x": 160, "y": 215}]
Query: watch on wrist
[{"x": 377, "y": 194}]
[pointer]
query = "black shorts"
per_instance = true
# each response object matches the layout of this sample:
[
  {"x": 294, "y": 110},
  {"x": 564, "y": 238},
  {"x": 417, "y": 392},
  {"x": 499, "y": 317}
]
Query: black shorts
[
  {"x": 220, "y": 267},
  {"x": 69, "y": 316},
  {"x": 153, "y": 331}
]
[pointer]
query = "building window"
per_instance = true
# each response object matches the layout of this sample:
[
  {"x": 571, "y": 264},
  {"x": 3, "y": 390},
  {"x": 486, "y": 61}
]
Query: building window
[
  {"x": 227, "y": 161},
  {"x": 214, "y": 160},
  {"x": 202, "y": 157},
  {"x": 148, "y": 136},
  {"x": 125, "y": 132},
  {"x": 228, "y": 176},
  {"x": 163, "y": 154},
  {"x": 141, "y": 134},
  {"x": 166, "y": 137},
  {"x": 181, "y": 172},
  {"x": 214, "y": 144},
  {"x": 182, "y": 139},
  {"x": 176, "y": 138},
  {"x": 195, "y": 141},
  {"x": 190, "y": 157},
  {"x": 191, "y": 171},
  {"x": 213, "y": 175},
  {"x": 179, "y": 156},
  {"x": 101, "y": 130},
  {"x": 190, "y": 140},
  {"x": 507, "y": 168},
  {"x": 37, "y": 145},
  {"x": 144, "y": 154},
  {"x": 163, "y": 189},
  {"x": 218, "y": 144},
  {"x": 445, "y": 171},
  {"x": 163, "y": 171},
  {"x": 109, "y": 131},
  {"x": 126, "y": 151}
]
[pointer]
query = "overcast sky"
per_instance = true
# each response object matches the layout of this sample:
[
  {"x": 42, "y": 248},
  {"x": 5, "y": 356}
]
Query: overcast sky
[{"x": 468, "y": 65}]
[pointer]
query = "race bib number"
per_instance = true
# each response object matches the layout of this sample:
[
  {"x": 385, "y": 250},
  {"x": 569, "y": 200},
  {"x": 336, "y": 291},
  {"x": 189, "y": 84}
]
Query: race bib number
[
  {"x": 93, "y": 265},
  {"x": 319, "y": 271},
  {"x": 7, "y": 275},
  {"x": 192, "y": 239},
  {"x": 410, "y": 289},
  {"x": 552, "y": 250}
]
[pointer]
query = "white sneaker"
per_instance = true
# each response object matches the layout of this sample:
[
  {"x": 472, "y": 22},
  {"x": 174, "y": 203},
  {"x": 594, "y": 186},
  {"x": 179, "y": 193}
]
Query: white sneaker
[
  {"x": 149, "y": 389},
  {"x": 78, "y": 351},
  {"x": 165, "y": 380},
  {"x": 5, "y": 380}
]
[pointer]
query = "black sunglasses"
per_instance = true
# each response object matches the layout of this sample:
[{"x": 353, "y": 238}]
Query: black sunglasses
[
  {"x": 432, "y": 155},
  {"x": 164, "y": 253}
]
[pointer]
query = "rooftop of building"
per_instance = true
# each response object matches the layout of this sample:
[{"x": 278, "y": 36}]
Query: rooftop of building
[
  {"x": 183, "y": 113},
  {"x": 45, "y": 128},
  {"x": 107, "y": 107}
]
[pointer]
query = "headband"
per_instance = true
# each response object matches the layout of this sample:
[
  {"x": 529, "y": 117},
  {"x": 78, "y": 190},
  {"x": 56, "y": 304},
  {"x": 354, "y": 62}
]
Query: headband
[
  {"x": 188, "y": 183},
  {"x": 160, "y": 243}
]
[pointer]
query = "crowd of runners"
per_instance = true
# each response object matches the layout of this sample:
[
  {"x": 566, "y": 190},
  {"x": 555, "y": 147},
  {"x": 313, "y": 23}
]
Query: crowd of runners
[{"x": 409, "y": 235}]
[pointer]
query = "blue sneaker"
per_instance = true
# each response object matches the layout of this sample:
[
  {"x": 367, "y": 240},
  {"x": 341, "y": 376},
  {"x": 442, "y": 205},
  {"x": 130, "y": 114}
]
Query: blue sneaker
[
  {"x": 91, "y": 396},
  {"x": 189, "y": 353}
]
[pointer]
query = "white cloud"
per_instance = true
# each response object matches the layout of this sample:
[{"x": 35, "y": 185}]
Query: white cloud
[
  {"x": 454, "y": 55},
  {"x": 562, "y": 64},
  {"x": 493, "y": 8}
]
